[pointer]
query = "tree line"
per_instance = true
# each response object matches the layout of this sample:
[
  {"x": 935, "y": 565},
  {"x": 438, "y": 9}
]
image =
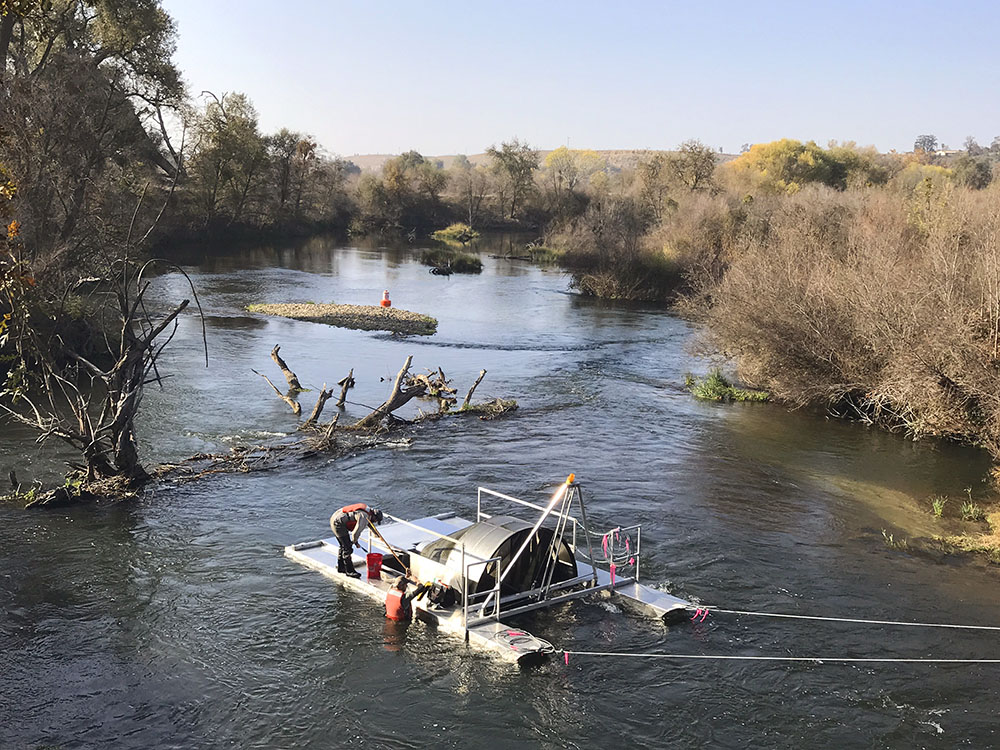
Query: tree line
[{"x": 103, "y": 152}]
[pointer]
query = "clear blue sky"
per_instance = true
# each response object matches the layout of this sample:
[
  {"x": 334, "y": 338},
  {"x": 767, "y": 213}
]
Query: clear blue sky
[{"x": 454, "y": 77}]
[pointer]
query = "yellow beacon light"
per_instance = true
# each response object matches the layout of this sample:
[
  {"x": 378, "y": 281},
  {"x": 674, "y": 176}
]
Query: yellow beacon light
[{"x": 570, "y": 479}]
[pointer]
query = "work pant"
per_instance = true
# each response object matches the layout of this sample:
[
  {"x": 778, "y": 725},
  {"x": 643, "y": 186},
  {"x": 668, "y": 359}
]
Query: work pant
[{"x": 344, "y": 562}]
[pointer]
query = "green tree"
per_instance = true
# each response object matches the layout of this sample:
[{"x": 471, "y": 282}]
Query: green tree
[
  {"x": 471, "y": 185},
  {"x": 692, "y": 165},
  {"x": 514, "y": 165},
  {"x": 974, "y": 173},
  {"x": 78, "y": 86},
  {"x": 565, "y": 169},
  {"x": 654, "y": 176},
  {"x": 972, "y": 147},
  {"x": 926, "y": 143},
  {"x": 303, "y": 167},
  {"x": 230, "y": 157},
  {"x": 281, "y": 149},
  {"x": 852, "y": 166}
]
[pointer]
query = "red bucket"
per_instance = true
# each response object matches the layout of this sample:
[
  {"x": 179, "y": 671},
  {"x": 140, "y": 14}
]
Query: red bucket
[{"x": 374, "y": 565}]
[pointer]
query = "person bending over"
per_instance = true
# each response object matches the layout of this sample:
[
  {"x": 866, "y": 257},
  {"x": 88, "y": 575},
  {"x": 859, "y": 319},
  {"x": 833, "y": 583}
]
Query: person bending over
[{"x": 351, "y": 518}]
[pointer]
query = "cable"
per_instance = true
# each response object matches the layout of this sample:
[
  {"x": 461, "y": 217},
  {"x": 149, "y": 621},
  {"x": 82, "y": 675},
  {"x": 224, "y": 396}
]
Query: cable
[
  {"x": 856, "y": 620},
  {"x": 816, "y": 659}
]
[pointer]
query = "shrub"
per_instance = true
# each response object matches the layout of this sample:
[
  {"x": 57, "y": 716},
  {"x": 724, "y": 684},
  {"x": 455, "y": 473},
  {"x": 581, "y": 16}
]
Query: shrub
[
  {"x": 458, "y": 234},
  {"x": 452, "y": 260},
  {"x": 937, "y": 505},
  {"x": 892, "y": 543},
  {"x": 972, "y": 512},
  {"x": 879, "y": 303}
]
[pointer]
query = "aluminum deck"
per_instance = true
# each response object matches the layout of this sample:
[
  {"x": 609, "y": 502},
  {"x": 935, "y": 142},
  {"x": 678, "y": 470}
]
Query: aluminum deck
[{"x": 322, "y": 556}]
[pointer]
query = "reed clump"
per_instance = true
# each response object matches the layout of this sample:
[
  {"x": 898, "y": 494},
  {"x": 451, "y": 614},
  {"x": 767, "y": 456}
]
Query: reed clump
[{"x": 715, "y": 387}]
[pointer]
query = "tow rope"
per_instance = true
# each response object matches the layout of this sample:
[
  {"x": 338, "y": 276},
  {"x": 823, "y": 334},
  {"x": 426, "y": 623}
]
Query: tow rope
[
  {"x": 813, "y": 659},
  {"x": 703, "y": 613}
]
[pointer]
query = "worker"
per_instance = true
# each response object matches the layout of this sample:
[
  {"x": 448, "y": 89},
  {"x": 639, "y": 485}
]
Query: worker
[
  {"x": 397, "y": 601},
  {"x": 351, "y": 518}
]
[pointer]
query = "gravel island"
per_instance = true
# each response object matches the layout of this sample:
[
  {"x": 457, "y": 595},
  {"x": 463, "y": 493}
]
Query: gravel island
[{"x": 362, "y": 317}]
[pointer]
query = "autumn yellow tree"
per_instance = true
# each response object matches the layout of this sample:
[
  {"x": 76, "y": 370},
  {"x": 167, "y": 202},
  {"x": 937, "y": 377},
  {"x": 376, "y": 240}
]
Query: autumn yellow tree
[{"x": 784, "y": 166}]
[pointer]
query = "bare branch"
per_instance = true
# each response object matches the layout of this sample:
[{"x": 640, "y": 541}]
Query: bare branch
[
  {"x": 468, "y": 396},
  {"x": 296, "y": 407},
  {"x": 321, "y": 400},
  {"x": 397, "y": 398},
  {"x": 345, "y": 385}
]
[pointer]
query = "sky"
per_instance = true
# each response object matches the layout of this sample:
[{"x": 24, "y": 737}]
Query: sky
[{"x": 445, "y": 77}]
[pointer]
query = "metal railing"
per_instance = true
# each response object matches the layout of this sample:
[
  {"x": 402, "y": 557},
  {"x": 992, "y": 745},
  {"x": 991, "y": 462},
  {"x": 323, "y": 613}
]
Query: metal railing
[
  {"x": 629, "y": 553},
  {"x": 491, "y": 607},
  {"x": 484, "y": 595}
]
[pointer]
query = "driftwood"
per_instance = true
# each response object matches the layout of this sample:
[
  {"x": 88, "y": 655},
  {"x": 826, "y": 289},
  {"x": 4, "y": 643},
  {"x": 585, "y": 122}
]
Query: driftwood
[
  {"x": 406, "y": 386},
  {"x": 324, "y": 394},
  {"x": 320, "y": 438},
  {"x": 293, "y": 381},
  {"x": 437, "y": 386},
  {"x": 296, "y": 407},
  {"x": 345, "y": 385},
  {"x": 397, "y": 398},
  {"x": 468, "y": 396}
]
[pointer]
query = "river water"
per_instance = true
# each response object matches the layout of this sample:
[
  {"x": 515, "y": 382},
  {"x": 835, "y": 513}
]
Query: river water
[{"x": 175, "y": 622}]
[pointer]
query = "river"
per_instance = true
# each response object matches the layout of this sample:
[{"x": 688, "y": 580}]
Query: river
[{"x": 175, "y": 622}]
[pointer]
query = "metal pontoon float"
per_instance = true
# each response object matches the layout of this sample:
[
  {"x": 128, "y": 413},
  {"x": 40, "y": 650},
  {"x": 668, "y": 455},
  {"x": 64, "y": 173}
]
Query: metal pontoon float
[{"x": 501, "y": 566}]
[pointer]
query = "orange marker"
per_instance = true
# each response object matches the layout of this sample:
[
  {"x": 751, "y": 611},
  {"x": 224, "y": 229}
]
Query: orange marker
[{"x": 385, "y": 299}]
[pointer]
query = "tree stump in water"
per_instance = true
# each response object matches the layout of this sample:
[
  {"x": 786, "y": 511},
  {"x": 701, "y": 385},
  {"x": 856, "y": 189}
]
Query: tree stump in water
[
  {"x": 293, "y": 381},
  {"x": 397, "y": 398}
]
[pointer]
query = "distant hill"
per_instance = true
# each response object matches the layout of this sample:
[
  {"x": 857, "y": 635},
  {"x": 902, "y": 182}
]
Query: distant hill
[{"x": 618, "y": 159}]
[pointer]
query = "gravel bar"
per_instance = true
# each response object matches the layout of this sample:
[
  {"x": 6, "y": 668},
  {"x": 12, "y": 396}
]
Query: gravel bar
[{"x": 361, "y": 317}]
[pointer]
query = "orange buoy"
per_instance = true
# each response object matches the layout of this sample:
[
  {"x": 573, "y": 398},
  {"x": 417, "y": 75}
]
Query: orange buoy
[{"x": 385, "y": 299}]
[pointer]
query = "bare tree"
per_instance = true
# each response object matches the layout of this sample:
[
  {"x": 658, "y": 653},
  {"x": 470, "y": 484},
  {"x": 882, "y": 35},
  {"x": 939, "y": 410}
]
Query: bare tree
[{"x": 91, "y": 402}]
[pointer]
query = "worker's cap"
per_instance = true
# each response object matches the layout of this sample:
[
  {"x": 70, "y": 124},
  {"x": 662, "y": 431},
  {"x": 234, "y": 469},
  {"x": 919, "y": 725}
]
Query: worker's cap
[{"x": 376, "y": 515}]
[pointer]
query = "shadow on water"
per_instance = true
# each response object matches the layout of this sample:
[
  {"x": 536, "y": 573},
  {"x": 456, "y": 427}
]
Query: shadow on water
[{"x": 176, "y": 622}]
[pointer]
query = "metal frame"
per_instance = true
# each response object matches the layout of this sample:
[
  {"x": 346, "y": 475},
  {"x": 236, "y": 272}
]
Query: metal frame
[
  {"x": 493, "y": 606},
  {"x": 567, "y": 493}
]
